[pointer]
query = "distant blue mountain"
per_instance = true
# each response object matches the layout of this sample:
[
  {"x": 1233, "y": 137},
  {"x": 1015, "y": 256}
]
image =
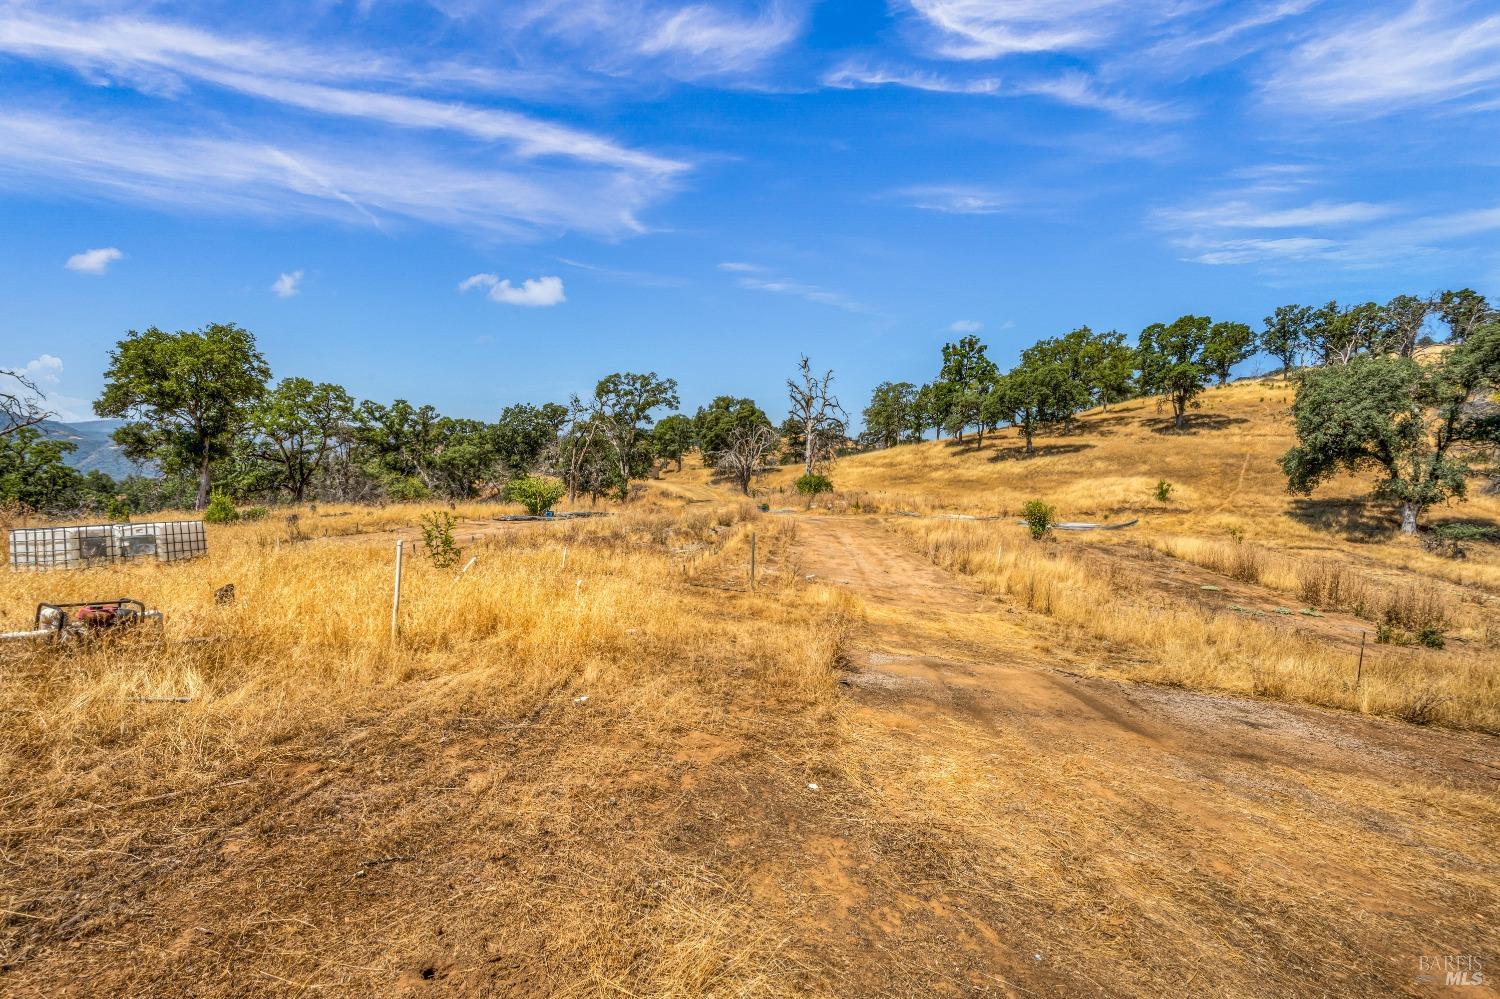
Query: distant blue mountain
[{"x": 96, "y": 450}]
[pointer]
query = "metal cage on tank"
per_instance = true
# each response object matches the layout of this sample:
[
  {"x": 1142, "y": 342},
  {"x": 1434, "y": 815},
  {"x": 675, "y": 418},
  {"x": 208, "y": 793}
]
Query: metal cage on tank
[{"x": 34, "y": 549}]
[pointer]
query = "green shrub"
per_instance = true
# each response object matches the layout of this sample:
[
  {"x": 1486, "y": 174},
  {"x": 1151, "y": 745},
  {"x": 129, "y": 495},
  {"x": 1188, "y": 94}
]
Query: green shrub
[
  {"x": 254, "y": 513},
  {"x": 1466, "y": 532},
  {"x": 220, "y": 510},
  {"x": 1163, "y": 491},
  {"x": 405, "y": 489},
  {"x": 1039, "y": 518},
  {"x": 812, "y": 484},
  {"x": 118, "y": 508},
  {"x": 537, "y": 493},
  {"x": 437, "y": 538}
]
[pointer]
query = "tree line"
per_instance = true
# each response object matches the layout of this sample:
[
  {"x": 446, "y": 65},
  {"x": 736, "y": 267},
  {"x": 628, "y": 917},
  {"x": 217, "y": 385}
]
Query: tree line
[
  {"x": 1365, "y": 401},
  {"x": 1056, "y": 379},
  {"x": 1059, "y": 377},
  {"x": 202, "y": 405}
]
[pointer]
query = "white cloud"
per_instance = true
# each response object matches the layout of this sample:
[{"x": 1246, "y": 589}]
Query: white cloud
[
  {"x": 1428, "y": 54},
  {"x": 44, "y": 370},
  {"x": 45, "y": 373},
  {"x": 478, "y": 281},
  {"x": 288, "y": 284},
  {"x": 740, "y": 266},
  {"x": 94, "y": 261},
  {"x": 957, "y": 199},
  {"x": 966, "y": 326},
  {"x": 533, "y": 292}
]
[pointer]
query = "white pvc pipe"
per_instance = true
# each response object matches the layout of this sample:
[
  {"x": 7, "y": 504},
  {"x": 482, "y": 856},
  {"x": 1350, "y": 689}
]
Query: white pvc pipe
[{"x": 18, "y": 635}]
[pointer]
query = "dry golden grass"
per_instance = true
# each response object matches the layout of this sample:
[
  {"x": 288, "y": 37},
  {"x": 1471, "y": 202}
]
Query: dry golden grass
[
  {"x": 1416, "y": 607},
  {"x": 607, "y": 644},
  {"x": 1178, "y": 642},
  {"x": 1223, "y": 471}
]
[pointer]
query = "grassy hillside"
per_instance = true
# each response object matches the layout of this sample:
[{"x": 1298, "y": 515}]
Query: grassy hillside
[
  {"x": 1229, "y": 583},
  {"x": 1224, "y": 465}
]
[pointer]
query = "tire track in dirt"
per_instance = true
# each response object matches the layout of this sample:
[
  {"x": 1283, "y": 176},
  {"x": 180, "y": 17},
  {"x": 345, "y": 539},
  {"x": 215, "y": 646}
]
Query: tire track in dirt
[
  {"x": 924, "y": 621},
  {"x": 1169, "y": 771}
]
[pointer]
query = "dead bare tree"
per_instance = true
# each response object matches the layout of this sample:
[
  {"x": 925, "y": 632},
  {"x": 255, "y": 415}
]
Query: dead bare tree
[
  {"x": 578, "y": 445},
  {"x": 20, "y": 404},
  {"x": 814, "y": 408},
  {"x": 747, "y": 449}
]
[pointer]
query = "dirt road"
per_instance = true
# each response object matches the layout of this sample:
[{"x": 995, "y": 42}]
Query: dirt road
[{"x": 1268, "y": 848}]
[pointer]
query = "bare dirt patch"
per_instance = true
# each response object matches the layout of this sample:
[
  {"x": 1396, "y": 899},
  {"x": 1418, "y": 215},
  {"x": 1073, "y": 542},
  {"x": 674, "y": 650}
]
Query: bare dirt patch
[{"x": 1177, "y": 836}]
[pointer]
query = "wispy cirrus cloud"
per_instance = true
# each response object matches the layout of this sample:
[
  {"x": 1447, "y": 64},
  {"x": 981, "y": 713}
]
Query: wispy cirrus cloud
[
  {"x": 1430, "y": 53},
  {"x": 484, "y": 167},
  {"x": 622, "y": 275},
  {"x": 1255, "y": 250},
  {"x": 1242, "y": 214},
  {"x": 711, "y": 39},
  {"x": 755, "y": 277},
  {"x": 850, "y": 75},
  {"x": 1183, "y": 44},
  {"x": 957, "y": 199},
  {"x": 690, "y": 41},
  {"x": 989, "y": 29},
  {"x": 1083, "y": 91},
  {"x": 1075, "y": 89},
  {"x": 1269, "y": 221},
  {"x": 360, "y": 182},
  {"x": 142, "y": 53},
  {"x": 807, "y": 292}
]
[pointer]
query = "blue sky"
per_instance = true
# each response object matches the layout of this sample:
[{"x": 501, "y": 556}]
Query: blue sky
[{"x": 472, "y": 204}]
